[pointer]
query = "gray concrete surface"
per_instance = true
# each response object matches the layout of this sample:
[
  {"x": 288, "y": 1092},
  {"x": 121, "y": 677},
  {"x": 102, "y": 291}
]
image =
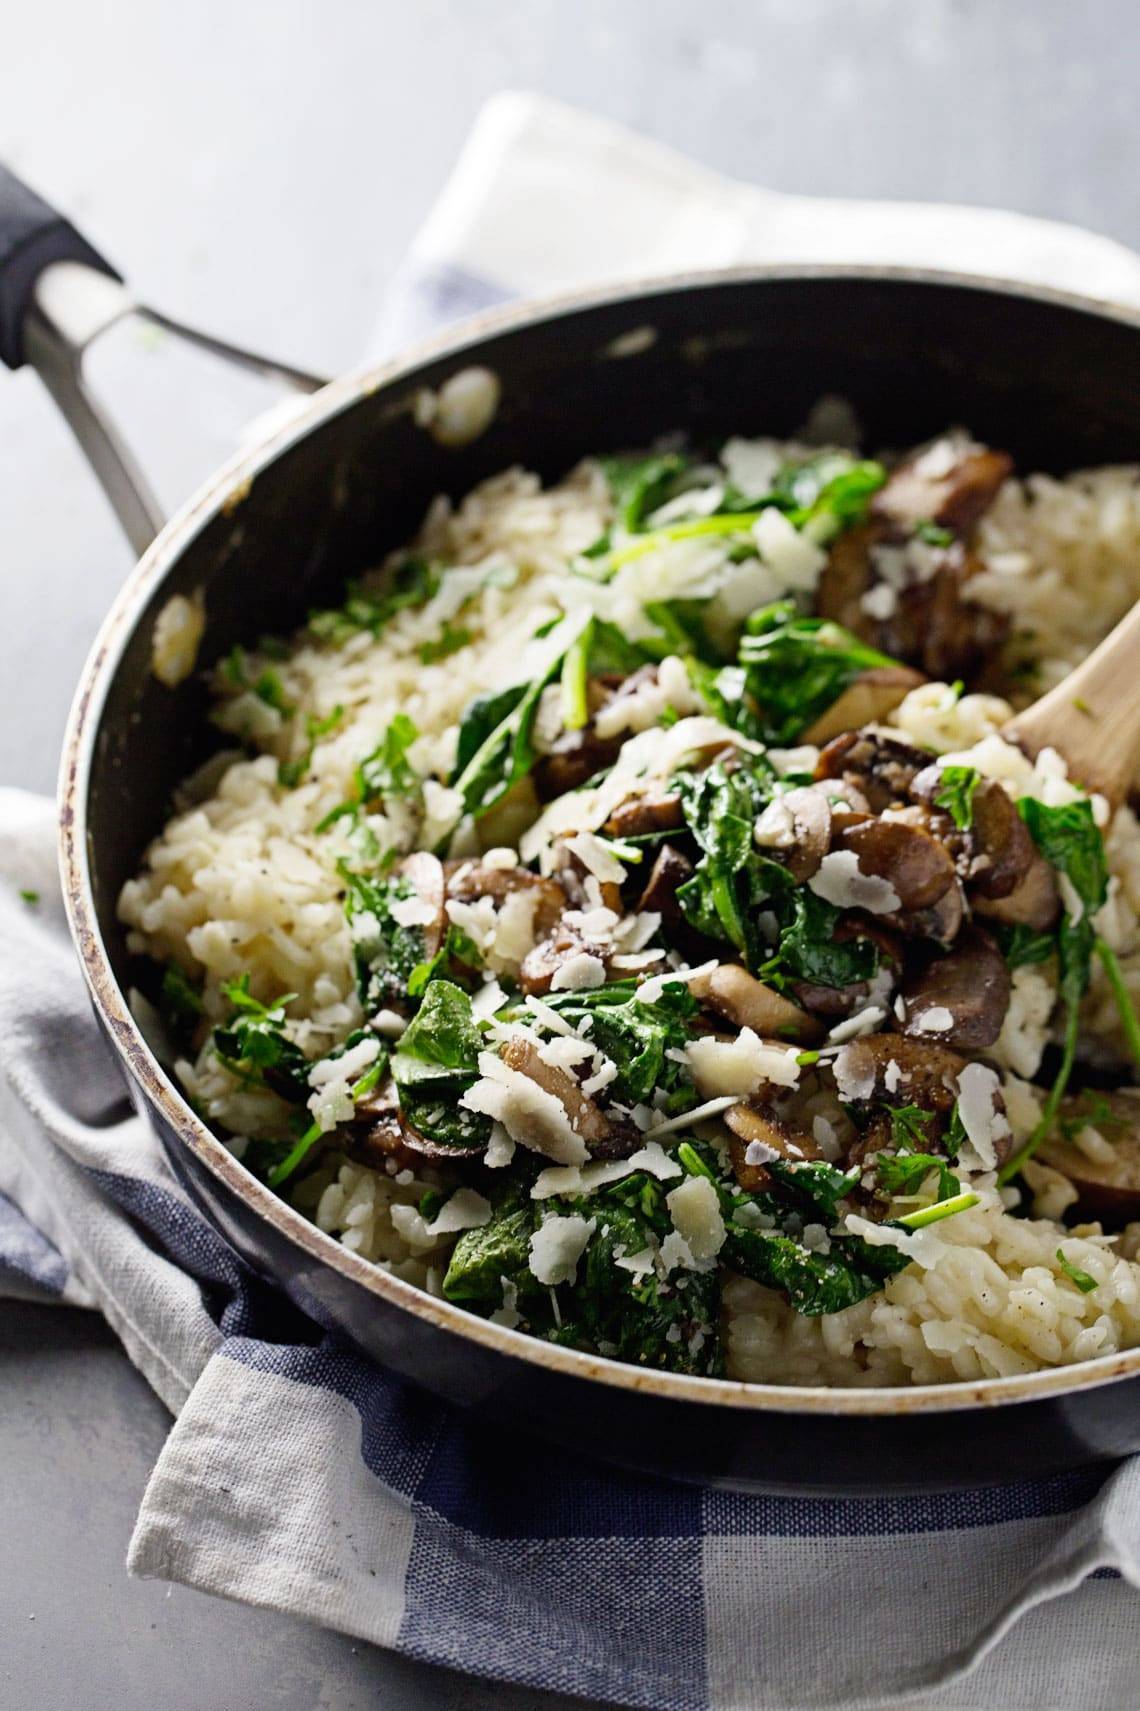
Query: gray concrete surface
[{"x": 259, "y": 168}]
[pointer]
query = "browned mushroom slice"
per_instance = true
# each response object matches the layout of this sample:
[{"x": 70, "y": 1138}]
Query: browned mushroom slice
[
  {"x": 867, "y": 699},
  {"x": 467, "y": 881},
  {"x": 941, "y": 922},
  {"x": 961, "y": 998},
  {"x": 952, "y": 490},
  {"x": 425, "y": 872},
  {"x": 881, "y": 767},
  {"x": 956, "y": 635},
  {"x": 1034, "y": 902},
  {"x": 1003, "y": 850},
  {"x": 799, "y": 832},
  {"x": 669, "y": 872},
  {"x": 923, "y": 1073},
  {"x": 739, "y": 997},
  {"x": 603, "y": 1138},
  {"x": 847, "y": 575},
  {"x": 758, "y": 1128},
  {"x": 641, "y": 815},
  {"x": 1107, "y": 1188},
  {"x": 916, "y": 866},
  {"x": 380, "y": 1137},
  {"x": 573, "y": 760}
]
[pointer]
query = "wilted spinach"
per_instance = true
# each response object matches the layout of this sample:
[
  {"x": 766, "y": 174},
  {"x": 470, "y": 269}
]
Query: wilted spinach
[{"x": 797, "y": 667}]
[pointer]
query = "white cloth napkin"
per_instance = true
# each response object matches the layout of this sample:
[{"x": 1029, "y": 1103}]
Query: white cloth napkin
[
  {"x": 298, "y": 1476},
  {"x": 545, "y": 198}
]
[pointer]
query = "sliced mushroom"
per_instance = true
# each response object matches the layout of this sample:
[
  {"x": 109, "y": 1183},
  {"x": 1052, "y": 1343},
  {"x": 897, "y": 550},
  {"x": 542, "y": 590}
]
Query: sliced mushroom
[
  {"x": 882, "y": 768},
  {"x": 927, "y": 488},
  {"x": 811, "y": 829},
  {"x": 969, "y": 984},
  {"x": 574, "y": 759},
  {"x": 924, "y": 1074},
  {"x": 642, "y": 815},
  {"x": 425, "y": 872},
  {"x": 604, "y": 1138},
  {"x": 868, "y": 698},
  {"x": 773, "y": 1137},
  {"x": 380, "y": 1136},
  {"x": 847, "y": 575},
  {"x": 467, "y": 881},
  {"x": 916, "y": 866},
  {"x": 740, "y": 998},
  {"x": 941, "y": 922},
  {"x": 669, "y": 872},
  {"x": 1003, "y": 851},
  {"x": 1035, "y": 902},
  {"x": 1107, "y": 1188}
]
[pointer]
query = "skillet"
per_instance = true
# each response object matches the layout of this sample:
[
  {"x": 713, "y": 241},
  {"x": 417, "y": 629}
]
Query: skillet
[{"x": 1053, "y": 378}]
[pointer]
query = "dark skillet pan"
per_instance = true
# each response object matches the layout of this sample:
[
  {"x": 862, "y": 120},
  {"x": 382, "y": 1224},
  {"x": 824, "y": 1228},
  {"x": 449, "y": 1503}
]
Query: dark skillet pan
[{"x": 1055, "y": 379}]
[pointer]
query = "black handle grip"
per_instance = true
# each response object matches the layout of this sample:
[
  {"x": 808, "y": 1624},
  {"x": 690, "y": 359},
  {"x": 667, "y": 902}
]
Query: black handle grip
[{"x": 32, "y": 236}]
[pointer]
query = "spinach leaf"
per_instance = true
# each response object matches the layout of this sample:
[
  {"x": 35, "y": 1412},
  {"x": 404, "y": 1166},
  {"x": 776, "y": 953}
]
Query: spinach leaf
[
  {"x": 443, "y": 1035},
  {"x": 1021, "y": 946},
  {"x": 634, "y": 1035},
  {"x": 815, "y": 1283},
  {"x": 905, "y": 1173},
  {"x": 814, "y": 1186},
  {"x": 291, "y": 772},
  {"x": 910, "y": 1126},
  {"x": 1070, "y": 840},
  {"x": 412, "y": 583},
  {"x": 384, "y": 952},
  {"x": 448, "y": 642},
  {"x": 496, "y": 746},
  {"x": 647, "y": 1320},
  {"x": 808, "y": 949},
  {"x": 732, "y": 879},
  {"x": 831, "y": 486},
  {"x": 609, "y": 1309},
  {"x": 254, "y": 1046},
  {"x": 387, "y": 771},
  {"x": 797, "y": 667},
  {"x": 180, "y": 1003},
  {"x": 483, "y": 1260},
  {"x": 955, "y": 793},
  {"x": 436, "y": 1061},
  {"x": 640, "y": 484},
  {"x": 1084, "y": 1281}
]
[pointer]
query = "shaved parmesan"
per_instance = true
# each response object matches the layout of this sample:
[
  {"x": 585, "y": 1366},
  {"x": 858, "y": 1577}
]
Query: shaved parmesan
[
  {"x": 651, "y": 1158},
  {"x": 922, "y": 1246},
  {"x": 529, "y": 1114},
  {"x": 978, "y": 1088},
  {"x": 694, "y": 1207},
  {"x": 840, "y": 881},
  {"x": 557, "y": 1246},
  {"x": 580, "y": 973},
  {"x": 740, "y": 1066}
]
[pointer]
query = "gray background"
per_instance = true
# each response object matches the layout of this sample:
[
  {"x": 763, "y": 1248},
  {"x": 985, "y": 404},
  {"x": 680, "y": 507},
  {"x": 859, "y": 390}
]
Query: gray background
[{"x": 259, "y": 168}]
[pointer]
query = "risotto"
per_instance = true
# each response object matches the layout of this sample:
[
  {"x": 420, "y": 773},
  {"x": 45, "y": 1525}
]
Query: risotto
[{"x": 624, "y": 916}]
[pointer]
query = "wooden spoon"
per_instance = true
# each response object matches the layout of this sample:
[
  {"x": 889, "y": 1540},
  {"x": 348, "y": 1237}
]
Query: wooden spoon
[{"x": 1093, "y": 717}]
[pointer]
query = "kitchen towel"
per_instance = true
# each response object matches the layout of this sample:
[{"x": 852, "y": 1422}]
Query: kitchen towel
[{"x": 299, "y": 1476}]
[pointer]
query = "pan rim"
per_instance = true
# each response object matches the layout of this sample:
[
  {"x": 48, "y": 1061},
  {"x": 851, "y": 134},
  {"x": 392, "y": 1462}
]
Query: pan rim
[{"x": 223, "y": 491}]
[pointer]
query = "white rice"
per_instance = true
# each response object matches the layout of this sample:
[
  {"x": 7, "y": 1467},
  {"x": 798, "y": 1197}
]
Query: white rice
[{"x": 240, "y": 881}]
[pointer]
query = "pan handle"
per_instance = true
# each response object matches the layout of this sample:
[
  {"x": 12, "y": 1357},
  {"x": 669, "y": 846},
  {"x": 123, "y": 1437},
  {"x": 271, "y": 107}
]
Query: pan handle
[{"x": 57, "y": 294}]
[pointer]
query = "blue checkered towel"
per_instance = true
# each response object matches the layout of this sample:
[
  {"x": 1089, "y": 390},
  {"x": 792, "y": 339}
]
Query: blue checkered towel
[{"x": 301, "y": 1477}]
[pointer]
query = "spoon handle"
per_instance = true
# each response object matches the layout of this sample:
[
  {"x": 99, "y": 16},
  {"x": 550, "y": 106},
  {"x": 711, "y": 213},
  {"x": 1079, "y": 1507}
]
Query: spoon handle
[{"x": 1093, "y": 717}]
